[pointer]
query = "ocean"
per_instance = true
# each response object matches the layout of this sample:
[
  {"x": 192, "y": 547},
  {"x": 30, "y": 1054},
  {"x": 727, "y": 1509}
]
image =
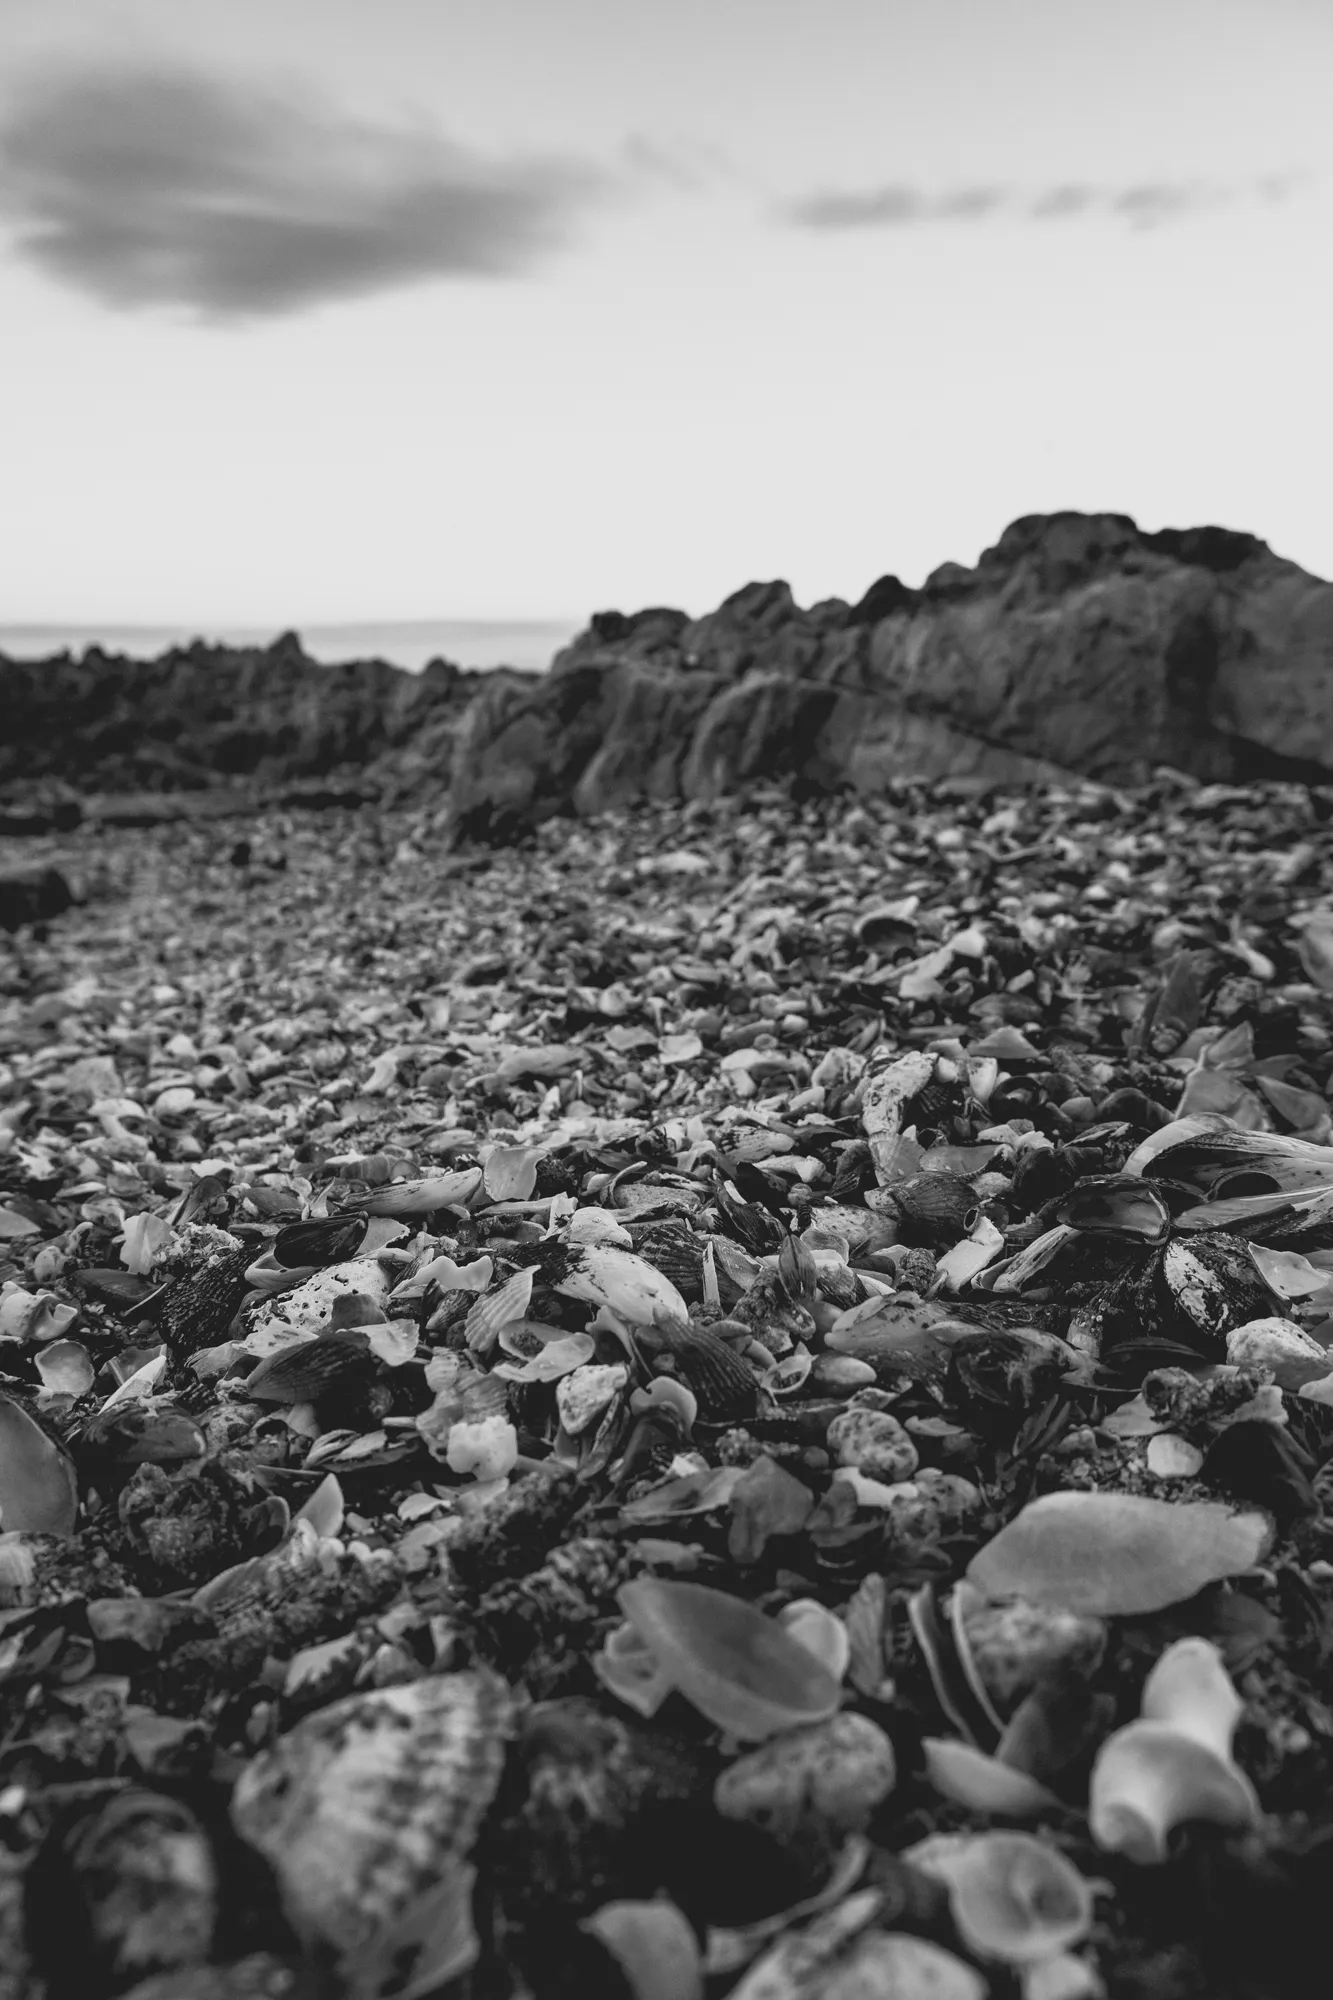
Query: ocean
[{"x": 468, "y": 642}]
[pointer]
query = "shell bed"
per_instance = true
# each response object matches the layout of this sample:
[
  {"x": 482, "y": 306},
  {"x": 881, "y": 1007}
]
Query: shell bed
[{"x": 735, "y": 1400}]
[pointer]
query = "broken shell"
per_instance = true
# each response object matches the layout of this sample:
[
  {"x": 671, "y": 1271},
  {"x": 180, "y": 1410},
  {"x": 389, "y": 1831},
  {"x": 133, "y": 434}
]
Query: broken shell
[
  {"x": 1117, "y": 1205},
  {"x": 932, "y": 1209},
  {"x": 835, "y": 1773},
  {"x": 587, "y": 1393},
  {"x": 1014, "y": 1897},
  {"x": 739, "y": 1668},
  {"x": 961, "y": 1772},
  {"x": 39, "y": 1493},
  {"x": 420, "y": 1197},
  {"x": 820, "y": 1630},
  {"x": 33, "y": 1316},
  {"x": 1006, "y": 1647},
  {"x": 874, "y": 1442},
  {"x": 368, "y": 1810},
  {"x": 655, "y": 1947},
  {"x": 623, "y": 1282},
  {"x": 1282, "y": 1346},
  {"x": 126, "y": 1888},
  {"x": 487, "y": 1448},
  {"x": 1114, "y": 1554}
]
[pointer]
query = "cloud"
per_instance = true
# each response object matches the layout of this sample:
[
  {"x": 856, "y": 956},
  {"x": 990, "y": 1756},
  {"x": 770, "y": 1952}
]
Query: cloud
[
  {"x": 898, "y": 205},
  {"x": 160, "y": 186}
]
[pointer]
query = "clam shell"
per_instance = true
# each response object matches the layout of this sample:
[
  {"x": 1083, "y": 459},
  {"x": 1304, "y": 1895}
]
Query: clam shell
[{"x": 368, "y": 1811}]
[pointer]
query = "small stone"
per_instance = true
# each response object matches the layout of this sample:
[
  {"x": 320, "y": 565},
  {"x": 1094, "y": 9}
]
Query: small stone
[
  {"x": 875, "y": 1443},
  {"x": 1171, "y": 1457}
]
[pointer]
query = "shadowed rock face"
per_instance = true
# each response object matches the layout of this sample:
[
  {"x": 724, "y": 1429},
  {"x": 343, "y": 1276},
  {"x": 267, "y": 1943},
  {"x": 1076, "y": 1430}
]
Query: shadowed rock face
[
  {"x": 1077, "y": 644},
  {"x": 208, "y": 715}
]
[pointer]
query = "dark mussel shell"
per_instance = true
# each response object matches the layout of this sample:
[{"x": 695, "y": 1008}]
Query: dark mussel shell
[
  {"x": 330, "y": 1239},
  {"x": 1117, "y": 1205},
  {"x": 996, "y": 1380}
]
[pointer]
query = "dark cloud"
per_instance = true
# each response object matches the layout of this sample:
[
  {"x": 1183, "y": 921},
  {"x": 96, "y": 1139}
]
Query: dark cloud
[
  {"x": 161, "y": 187},
  {"x": 900, "y": 205}
]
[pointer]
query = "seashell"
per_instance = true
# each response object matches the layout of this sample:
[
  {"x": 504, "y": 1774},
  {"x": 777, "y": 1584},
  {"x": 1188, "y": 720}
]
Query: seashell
[
  {"x": 1281, "y": 1346},
  {"x": 141, "y": 1432},
  {"x": 486, "y": 1447},
  {"x": 198, "y": 1308},
  {"x": 65, "y": 1367},
  {"x": 1117, "y": 1205},
  {"x": 932, "y": 1209},
  {"x": 665, "y": 1392},
  {"x": 38, "y": 1490},
  {"x": 1005, "y": 1648},
  {"x": 328, "y": 1239},
  {"x": 1014, "y": 1897},
  {"x": 302, "y": 1373},
  {"x": 821, "y": 1631},
  {"x": 421, "y": 1197},
  {"x": 624, "y": 1282},
  {"x": 124, "y": 1888},
  {"x": 961, "y": 1772},
  {"x": 583, "y": 1396},
  {"x": 693, "y": 1493},
  {"x": 1115, "y": 1554},
  {"x": 739, "y": 1668},
  {"x": 676, "y": 1252},
  {"x": 33, "y": 1316},
  {"x": 997, "y": 1379},
  {"x": 833, "y": 1773},
  {"x": 840, "y": 1374},
  {"x": 1209, "y": 1285},
  {"x": 368, "y": 1811},
  {"x": 654, "y": 1946},
  {"x": 724, "y": 1386},
  {"x": 1174, "y": 1764},
  {"x": 874, "y": 1442},
  {"x": 884, "y": 1099},
  {"x": 296, "y": 1315},
  {"x": 765, "y": 1501}
]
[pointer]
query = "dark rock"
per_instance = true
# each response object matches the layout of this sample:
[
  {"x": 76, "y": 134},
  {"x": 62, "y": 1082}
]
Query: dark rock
[
  {"x": 32, "y": 896},
  {"x": 1077, "y": 644}
]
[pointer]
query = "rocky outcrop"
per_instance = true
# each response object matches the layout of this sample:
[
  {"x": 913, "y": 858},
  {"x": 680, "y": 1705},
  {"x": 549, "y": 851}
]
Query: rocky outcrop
[
  {"x": 223, "y": 716},
  {"x": 1078, "y": 644}
]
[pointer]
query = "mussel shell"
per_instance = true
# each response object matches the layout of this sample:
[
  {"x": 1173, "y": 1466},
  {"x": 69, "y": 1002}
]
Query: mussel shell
[
  {"x": 330, "y": 1239},
  {"x": 1117, "y": 1205},
  {"x": 122, "y": 1888}
]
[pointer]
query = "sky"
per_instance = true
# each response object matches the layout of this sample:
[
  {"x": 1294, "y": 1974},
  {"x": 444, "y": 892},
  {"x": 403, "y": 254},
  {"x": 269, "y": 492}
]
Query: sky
[{"x": 324, "y": 310}]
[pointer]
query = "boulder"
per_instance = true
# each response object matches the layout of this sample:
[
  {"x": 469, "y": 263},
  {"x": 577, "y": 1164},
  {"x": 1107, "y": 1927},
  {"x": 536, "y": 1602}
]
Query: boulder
[
  {"x": 32, "y": 895},
  {"x": 1079, "y": 644}
]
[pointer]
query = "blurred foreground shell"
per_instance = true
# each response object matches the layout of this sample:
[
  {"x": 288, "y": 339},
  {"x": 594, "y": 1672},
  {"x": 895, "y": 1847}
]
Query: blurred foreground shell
[
  {"x": 742, "y": 1670},
  {"x": 124, "y": 1888},
  {"x": 38, "y": 1491},
  {"x": 368, "y": 1811}
]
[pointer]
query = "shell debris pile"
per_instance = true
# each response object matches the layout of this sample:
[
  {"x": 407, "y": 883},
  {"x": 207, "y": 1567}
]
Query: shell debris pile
[{"x": 736, "y": 1399}]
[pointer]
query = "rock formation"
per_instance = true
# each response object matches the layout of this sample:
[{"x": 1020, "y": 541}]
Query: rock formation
[{"x": 1079, "y": 643}]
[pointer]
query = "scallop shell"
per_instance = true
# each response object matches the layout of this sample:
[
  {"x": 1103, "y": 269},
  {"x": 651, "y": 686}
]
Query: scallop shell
[{"x": 368, "y": 1811}]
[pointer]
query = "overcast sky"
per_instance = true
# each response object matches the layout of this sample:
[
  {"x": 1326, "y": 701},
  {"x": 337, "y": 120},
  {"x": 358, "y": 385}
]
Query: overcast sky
[{"x": 357, "y": 309}]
